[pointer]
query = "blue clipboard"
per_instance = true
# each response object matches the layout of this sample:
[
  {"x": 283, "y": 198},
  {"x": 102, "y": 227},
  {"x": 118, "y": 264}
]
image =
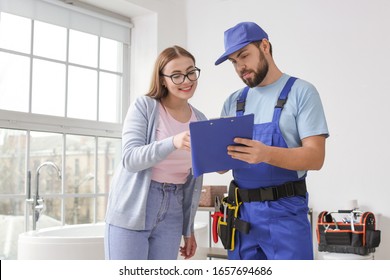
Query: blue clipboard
[{"x": 209, "y": 141}]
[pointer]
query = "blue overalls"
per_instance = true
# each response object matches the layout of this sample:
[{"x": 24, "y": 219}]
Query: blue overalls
[{"x": 279, "y": 229}]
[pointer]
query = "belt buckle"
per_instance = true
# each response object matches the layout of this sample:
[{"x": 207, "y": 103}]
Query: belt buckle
[{"x": 289, "y": 188}]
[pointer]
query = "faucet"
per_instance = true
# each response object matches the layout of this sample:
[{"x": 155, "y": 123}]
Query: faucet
[{"x": 37, "y": 201}]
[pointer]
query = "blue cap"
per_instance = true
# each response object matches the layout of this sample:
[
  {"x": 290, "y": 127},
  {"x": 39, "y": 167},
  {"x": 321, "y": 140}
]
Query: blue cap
[{"x": 239, "y": 36}]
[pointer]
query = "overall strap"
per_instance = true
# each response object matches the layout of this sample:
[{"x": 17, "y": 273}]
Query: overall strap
[
  {"x": 240, "y": 107},
  {"x": 283, "y": 99}
]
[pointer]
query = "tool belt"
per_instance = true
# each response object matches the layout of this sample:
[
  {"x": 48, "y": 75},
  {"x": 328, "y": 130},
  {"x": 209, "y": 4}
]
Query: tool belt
[
  {"x": 273, "y": 193},
  {"x": 227, "y": 228},
  {"x": 354, "y": 234},
  {"x": 226, "y": 220}
]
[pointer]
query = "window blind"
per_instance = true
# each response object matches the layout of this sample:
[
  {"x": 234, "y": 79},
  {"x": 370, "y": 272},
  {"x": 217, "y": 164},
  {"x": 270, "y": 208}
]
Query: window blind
[{"x": 70, "y": 16}]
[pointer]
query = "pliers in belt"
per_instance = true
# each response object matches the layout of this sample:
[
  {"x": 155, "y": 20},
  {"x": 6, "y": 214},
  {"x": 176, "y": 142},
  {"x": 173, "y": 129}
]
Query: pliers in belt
[{"x": 216, "y": 217}]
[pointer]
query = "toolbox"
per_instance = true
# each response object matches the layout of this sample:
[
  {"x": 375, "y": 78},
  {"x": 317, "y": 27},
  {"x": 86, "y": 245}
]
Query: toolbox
[{"x": 347, "y": 231}]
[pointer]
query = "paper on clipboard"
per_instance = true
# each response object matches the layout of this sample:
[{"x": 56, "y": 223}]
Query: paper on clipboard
[{"x": 209, "y": 141}]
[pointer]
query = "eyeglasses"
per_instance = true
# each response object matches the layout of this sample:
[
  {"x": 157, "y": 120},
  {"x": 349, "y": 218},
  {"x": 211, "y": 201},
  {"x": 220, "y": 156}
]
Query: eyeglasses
[{"x": 178, "y": 79}]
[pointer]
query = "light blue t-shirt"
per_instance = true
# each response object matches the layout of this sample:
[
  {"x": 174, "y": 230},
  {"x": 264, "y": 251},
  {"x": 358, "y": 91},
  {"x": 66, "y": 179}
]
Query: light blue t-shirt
[{"x": 301, "y": 117}]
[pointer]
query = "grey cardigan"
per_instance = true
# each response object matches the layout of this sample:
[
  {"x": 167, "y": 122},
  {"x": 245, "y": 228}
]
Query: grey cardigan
[{"x": 140, "y": 152}]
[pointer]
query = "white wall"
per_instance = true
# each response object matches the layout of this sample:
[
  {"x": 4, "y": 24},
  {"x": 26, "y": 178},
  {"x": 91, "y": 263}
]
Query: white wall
[
  {"x": 154, "y": 31},
  {"x": 143, "y": 53},
  {"x": 342, "y": 47}
]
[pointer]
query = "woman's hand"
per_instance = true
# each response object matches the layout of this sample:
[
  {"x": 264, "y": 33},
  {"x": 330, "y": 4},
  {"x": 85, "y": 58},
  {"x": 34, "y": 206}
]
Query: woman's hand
[
  {"x": 189, "y": 248},
  {"x": 182, "y": 141}
]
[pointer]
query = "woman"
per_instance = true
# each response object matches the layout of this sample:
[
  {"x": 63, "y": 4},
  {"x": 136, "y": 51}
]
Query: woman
[{"x": 154, "y": 197}]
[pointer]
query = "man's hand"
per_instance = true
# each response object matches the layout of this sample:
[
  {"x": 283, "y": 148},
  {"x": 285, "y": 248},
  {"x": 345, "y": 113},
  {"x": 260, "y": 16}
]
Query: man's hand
[{"x": 250, "y": 151}]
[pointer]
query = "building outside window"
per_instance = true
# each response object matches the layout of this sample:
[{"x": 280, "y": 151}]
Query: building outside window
[{"x": 63, "y": 93}]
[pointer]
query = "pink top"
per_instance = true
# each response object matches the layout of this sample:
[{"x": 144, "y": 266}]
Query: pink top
[{"x": 175, "y": 167}]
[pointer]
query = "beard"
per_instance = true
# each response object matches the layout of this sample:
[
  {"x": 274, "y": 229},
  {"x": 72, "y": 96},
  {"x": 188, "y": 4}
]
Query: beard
[{"x": 259, "y": 73}]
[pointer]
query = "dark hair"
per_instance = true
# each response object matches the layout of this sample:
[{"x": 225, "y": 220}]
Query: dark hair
[
  {"x": 157, "y": 90},
  {"x": 257, "y": 44}
]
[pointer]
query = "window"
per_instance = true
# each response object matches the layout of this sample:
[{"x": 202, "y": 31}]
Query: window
[{"x": 63, "y": 92}]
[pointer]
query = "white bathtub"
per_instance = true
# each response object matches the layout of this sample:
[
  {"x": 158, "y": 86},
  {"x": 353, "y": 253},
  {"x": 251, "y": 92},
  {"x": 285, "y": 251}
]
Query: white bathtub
[{"x": 75, "y": 242}]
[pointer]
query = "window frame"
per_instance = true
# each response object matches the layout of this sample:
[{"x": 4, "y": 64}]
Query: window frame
[{"x": 28, "y": 121}]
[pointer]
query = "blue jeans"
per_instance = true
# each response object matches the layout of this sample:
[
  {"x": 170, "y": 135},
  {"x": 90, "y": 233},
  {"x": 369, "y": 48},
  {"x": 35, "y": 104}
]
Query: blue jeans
[{"x": 163, "y": 228}]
